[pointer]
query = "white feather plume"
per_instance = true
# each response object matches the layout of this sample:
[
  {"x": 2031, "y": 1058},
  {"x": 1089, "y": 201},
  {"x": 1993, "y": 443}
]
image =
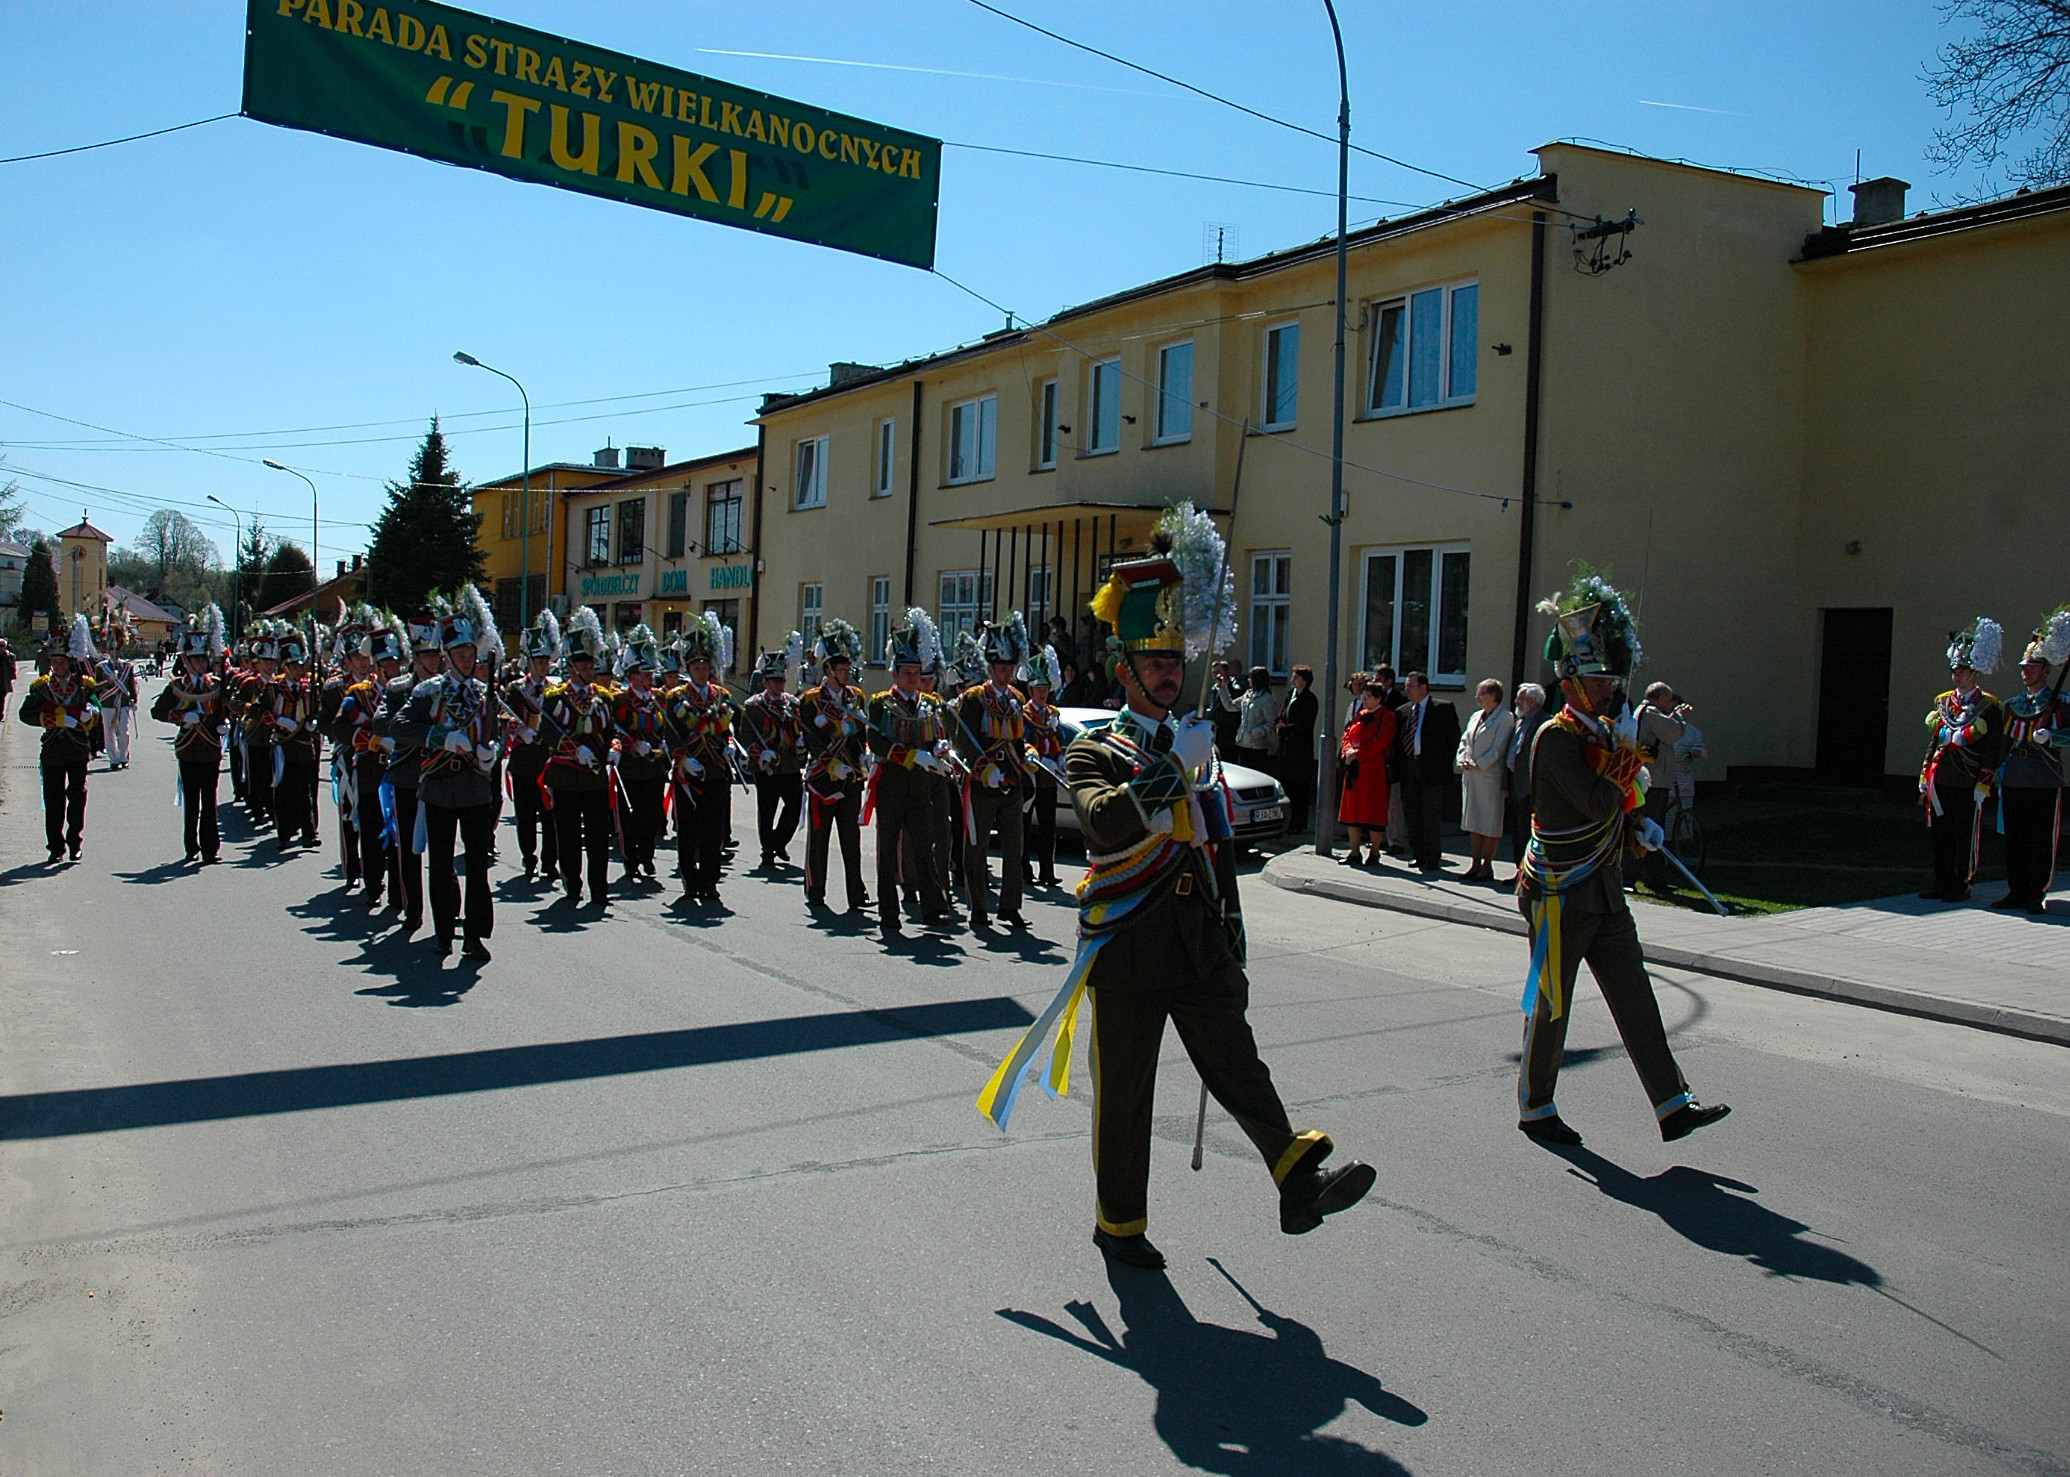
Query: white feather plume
[
  {"x": 1989, "y": 643},
  {"x": 793, "y": 658},
  {"x": 82, "y": 639},
  {"x": 584, "y": 624},
  {"x": 2055, "y": 638},
  {"x": 488, "y": 645},
  {"x": 1209, "y": 585},
  {"x": 212, "y": 622}
]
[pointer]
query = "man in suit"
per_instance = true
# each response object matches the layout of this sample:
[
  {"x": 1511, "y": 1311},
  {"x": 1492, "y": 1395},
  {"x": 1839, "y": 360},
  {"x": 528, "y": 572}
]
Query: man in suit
[{"x": 1427, "y": 729}]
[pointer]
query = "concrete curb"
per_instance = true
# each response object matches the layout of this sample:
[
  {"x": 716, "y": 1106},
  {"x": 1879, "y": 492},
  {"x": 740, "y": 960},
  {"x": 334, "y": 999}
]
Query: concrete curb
[{"x": 2006, "y": 1020}]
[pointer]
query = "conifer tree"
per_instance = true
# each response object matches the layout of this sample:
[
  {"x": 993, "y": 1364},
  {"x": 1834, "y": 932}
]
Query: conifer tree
[
  {"x": 40, "y": 585},
  {"x": 424, "y": 540}
]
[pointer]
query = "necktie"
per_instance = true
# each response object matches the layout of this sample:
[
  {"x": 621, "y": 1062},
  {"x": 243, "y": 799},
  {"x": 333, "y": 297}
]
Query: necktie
[{"x": 1416, "y": 733}]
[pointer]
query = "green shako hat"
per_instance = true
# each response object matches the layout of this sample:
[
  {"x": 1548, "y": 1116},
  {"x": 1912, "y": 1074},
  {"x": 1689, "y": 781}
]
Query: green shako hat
[{"x": 1593, "y": 632}]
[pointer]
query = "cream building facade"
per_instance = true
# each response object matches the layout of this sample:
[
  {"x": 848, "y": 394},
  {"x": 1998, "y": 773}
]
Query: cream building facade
[{"x": 1807, "y": 453}]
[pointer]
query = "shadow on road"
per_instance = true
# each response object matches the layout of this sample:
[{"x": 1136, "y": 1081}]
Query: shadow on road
[
  {"x": 1232, "y": 1400},
  {"x": 348, "y": 1084},
  {"x": 29, "y": 872},
  {"x": 1713, "y": 1212}
]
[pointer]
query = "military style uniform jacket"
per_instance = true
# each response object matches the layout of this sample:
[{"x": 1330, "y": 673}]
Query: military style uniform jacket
[
  {"x": 196, "y": 707},
  {"x": 1966, "y": 739},
  {"x": 1045, "y": 744},
  {"x": 2027, "y": 764},
  {"x": 701, "y": 724},
  {"x": 1575, "y": 787},
  {"x": 441, "y": 711},
  {"x": 990, "y": 736},
  {"x": 902, "y": 728},
  {"x": 643, "y": 740},
  {"x": 526, "y": 694},
  {"x": 288, "y": 715},
  {"x": 771, "y": 725},
  {"x": 833, "y": 722},
  {"x": 69, "y": 713},
  {"x": 580, "y": 719},
  {"x": 405, "y": 758}
]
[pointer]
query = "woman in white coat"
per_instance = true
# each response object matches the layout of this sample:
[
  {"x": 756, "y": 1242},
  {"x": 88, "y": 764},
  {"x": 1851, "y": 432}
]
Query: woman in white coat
[{"x": 1483, "y": 761}]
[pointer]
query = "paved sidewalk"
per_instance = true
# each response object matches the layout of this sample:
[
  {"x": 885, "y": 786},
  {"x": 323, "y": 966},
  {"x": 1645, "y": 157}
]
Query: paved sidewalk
[{"x": 2005, "y": 972}]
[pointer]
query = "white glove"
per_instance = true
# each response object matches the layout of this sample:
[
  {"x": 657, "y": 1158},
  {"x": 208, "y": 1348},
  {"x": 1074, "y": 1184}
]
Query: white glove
[
  {"x": 1651, "y": 837},
  {"x": 585, "y": 756},
  {"x": 66, "y": 720},
  {"x": 769, "y": 758},
  {"x": 819, "y": 720},
  {"x": 1626, "y": 729},
  {"x": 611, "y": 758},
  {"x": 385, "y": 744},
  {"x": 485, "y": 754},
  {"x": 1194, "y": 743},
  {"x": 1161, "y": 823},
  {"x": 642, "y": 748},
  {"x": 190, "y": 718},
  {"x": 2041, "y": 735},
  {"x": 925, "y": 759},
  {"x": 457, "y": 742},
  {"x": 529, "y": 735},
  {"x": 286, "y": 722},
  {"x": 692, "y": 766}
]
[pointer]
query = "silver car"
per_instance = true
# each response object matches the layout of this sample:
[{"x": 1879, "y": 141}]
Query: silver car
[{"x": 1258, "y": 801}]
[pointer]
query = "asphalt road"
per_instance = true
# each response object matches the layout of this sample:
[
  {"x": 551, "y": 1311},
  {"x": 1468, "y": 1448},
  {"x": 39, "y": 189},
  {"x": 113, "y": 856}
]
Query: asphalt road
[{"x": 655, "y": 1193}]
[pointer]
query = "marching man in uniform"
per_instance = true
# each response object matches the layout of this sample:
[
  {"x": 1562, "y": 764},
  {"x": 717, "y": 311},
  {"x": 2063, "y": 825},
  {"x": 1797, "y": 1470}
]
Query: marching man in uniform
[
  {"x": 576, "y": 716},
  {"x": 248, "y": 704},
  {"x": 63, "y": 703},
  {"x": 118, "y": 688},
  {"x": 195, "y": 704},
  {"x": 2030, "y": 782},
  {"x": 352, "y": 649},
  {"x": 1160, "y": 928},
  {"x": 1040, "y": 720},
  {"x": 643, "y": 766},
  {"x": 833, "y": 718},
  {"x": 1967, "y": 734},
  {"x": 453, "y": 719},
  {"x": 288, "y": 713},
  {"x": 1587, "y": 793},
  {"x": 700, "y": 718},
  {"x": 991, "y": 737},
  {"x": 405, "y": 767},
  {"x": 773, "y": 736},
  {"x": 909, "y": 736},
  {"x": 526, "y": 692}
]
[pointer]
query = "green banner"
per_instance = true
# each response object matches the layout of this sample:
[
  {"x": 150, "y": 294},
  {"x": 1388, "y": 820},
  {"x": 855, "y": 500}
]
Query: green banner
[{"x": 459, "y": 87}]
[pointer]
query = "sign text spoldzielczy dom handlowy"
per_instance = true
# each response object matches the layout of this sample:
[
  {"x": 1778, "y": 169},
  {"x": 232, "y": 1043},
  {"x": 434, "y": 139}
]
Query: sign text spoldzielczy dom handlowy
[{"x": 451, "y": 85}]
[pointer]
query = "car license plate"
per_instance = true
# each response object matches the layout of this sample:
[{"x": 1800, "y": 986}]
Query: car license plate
[{"x": 1268, "y": 813}]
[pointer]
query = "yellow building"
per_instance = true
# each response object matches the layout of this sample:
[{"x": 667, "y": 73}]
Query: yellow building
[
  {"x": 1806, "y": 453},
  {"x": 511, "y": 548},
  {"x": 662, "y": 542},
  {"x": 81, "y": 560}
]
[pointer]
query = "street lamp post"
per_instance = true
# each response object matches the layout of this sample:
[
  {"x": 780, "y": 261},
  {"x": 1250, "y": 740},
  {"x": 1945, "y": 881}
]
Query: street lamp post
[
  {"x": 525, "y": 517},
  {"x": 236, "y": 567},
  {"x": 1326, "y": 826},
  {"x": 315, "y": 558}
]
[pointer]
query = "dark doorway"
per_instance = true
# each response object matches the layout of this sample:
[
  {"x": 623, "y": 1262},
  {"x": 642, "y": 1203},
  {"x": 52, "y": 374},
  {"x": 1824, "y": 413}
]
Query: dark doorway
[{"x": 1854, "y": 695}]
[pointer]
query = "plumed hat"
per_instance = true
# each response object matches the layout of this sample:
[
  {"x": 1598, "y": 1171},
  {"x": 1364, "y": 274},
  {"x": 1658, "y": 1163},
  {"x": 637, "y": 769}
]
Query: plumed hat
[
  {"x": 838, "y": 642},
  {"x": 544, "y": 637},
  {"x": 1043, "y": 669},
  {"x": 914, "y": 641},
  {"x": 76, "y": 643},
  {"x": 389, "y": 641},
  {"x": 264, "y": 641},
  {"x": 1593, "y": 632},
  {"x": 706, "y": 639},
  {"x": 669, "y": 657},
  {"x": 787, "y": 663},
  {"x": 426, "y": 627},
  {"x": 964, "y": 658},
  {"x": 1181, "y": 601},
  {"x": 584, "y": 636},
  {"x": 355, "y": 625},
  {"x": 1005, "y": 641},
  {"x": 470, "y": 623},
  {"x": 1977, "y": 645},
  {"x": 290, "y": 643},
  {"x": 640, "y": 654},
  {"x": 202, "y": 636},
  {"x": 2050, "y": 643}
]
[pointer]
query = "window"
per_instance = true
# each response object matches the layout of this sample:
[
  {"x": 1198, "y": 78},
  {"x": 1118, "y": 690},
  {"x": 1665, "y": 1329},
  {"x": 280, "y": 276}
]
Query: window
[
  {"x": 887, "y": 443},
  {"x": 1282, "y": 375},
  {"x": 1038, "y": 599},
  {"x": 810, "y": 488},
  {"x": 510, "y": 614},
  {"x": 632, "y": 530},
  {"x": 671, "y": 623},
  {"x": 678, "y": 523},
  {"x": 1175, "y": 392},
  {"x": 880, "y": 616},
  {"x": 973, "y": 434},
  {"x": 966, "y": 596},
  {"x": 513, "y": 504},
  {"x": 722, "y": 517},
  {"x": 599, "y": 534},
  {"x": 1046, "y": 426},
  {"x": 510, "y": 507},
  {"x": 1103, "y": 408},
  {"x": 1425, "y": 351},
  {"x": 808, "y": 613},
  {"x": 1271, "y": 597},
  {"x": 625, "y": 616},
  {"x": 1415, "y": 611},
  {"x": 728, "y": 612}
]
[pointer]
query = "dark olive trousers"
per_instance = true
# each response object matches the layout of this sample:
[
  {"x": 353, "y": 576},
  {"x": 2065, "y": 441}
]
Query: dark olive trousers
[{"x": 1609, "y": 941}]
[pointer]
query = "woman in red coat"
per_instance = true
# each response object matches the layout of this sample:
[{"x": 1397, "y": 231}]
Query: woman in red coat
[{"x": 1368, "y": 739}]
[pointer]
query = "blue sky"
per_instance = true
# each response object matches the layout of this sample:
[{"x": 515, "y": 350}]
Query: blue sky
[{"x": 242, "y": 278}]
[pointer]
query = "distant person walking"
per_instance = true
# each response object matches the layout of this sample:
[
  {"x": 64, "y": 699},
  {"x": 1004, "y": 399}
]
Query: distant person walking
[{"x": 1483, "y": 761}]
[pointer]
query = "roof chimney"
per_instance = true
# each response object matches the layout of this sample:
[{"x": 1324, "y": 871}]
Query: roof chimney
[
  {"x": 1879, "y": 201},
  {"x": 341, "y": 569},
  {"x": 845, "y": 373},
  {"x": 358, "y": 562},
  {"x": 645, "y": 458},
  {"x": 608, "y": 457}
]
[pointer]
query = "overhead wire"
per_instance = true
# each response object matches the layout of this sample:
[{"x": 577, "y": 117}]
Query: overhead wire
[{"x": 109, "y": 143}]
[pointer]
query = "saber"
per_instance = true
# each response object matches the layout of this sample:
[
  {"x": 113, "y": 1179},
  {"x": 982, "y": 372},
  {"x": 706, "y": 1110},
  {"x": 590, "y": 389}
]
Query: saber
[
  {"x": 1723, "y": 911},
  {"x": 1200, "y": 1121}
]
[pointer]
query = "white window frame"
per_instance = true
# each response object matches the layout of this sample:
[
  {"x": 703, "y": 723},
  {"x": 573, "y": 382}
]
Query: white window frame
[
  {"x": 966, "y": 594},
  {"x": 1041, "y": 577},
  {"x": 1425, "y": 660},
  {"x": 1271, "y": 609},
  {"x": 811, "y": 610},
  {"x": 1269, "y": 379},
  {"x": 737, "y": 502},
  {"x": 880, "y": 618},
  {"x": 591, "y": 522},
  {"x": 1046, "y": 393},
  {"x": 1174, "y": 420},
  {"x": 887, "y": 458},
  {"x": 809, "y": 474},
  {"x": 1102, "y": 383},
  {"x": 1447, "y": 295},
  {"x": 973, "y": 426}
]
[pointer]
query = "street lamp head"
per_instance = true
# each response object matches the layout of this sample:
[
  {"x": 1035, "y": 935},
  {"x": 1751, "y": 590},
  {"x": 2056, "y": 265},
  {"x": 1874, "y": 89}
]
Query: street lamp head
[
  {"x": 466, "y": 358},
  {"x": 269, "y": 461}
]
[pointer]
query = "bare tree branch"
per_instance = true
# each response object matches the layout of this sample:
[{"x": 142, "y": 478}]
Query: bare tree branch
[{"x": 2012, "y": 80}]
